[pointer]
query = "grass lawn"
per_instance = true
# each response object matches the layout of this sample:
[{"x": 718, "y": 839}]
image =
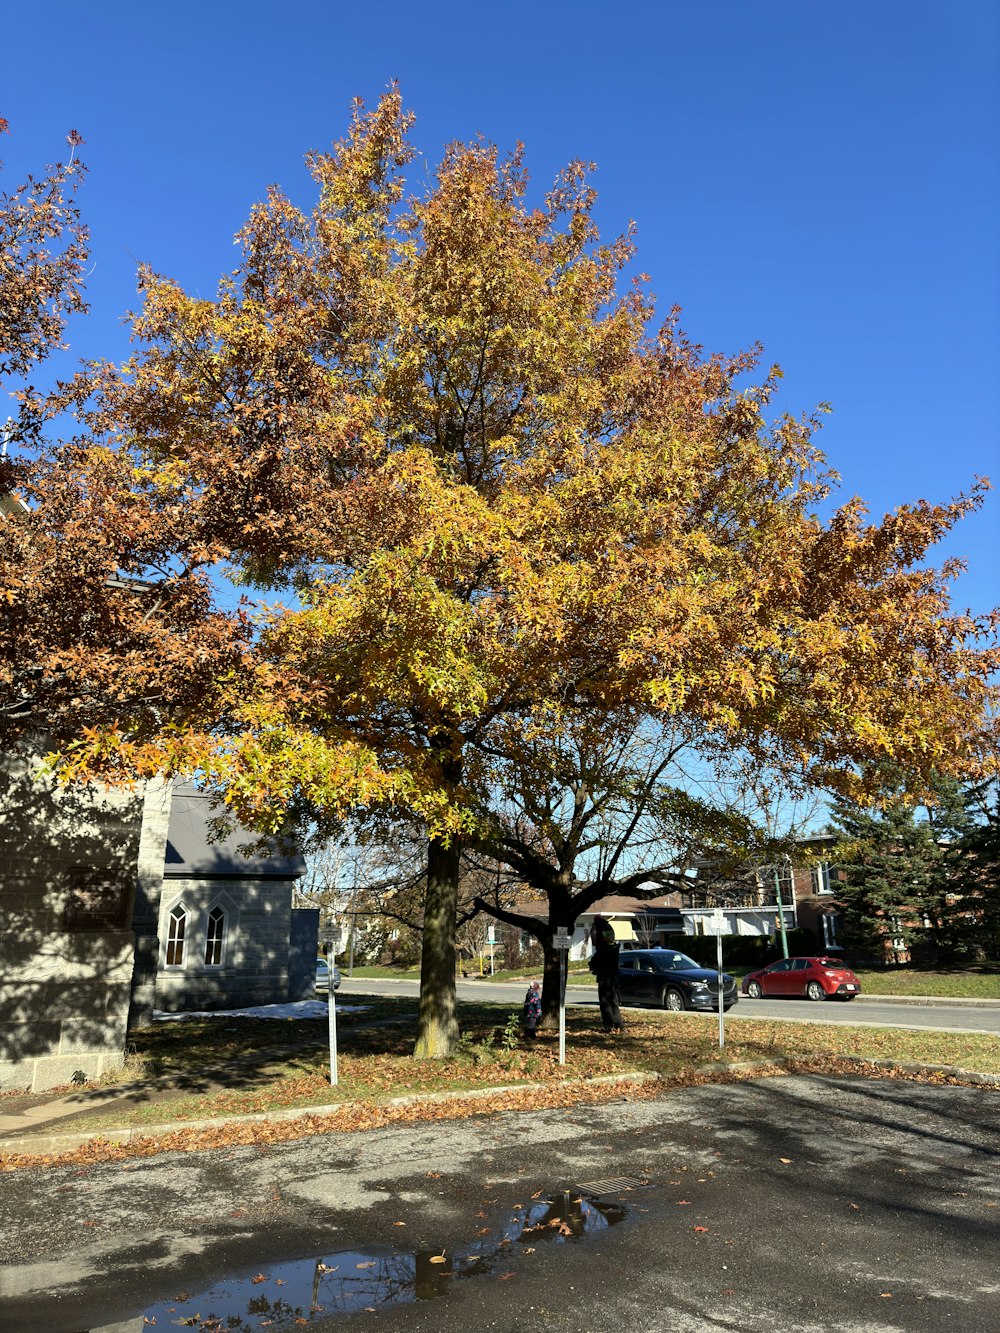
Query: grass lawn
[
  {"x": 968, "y": 984},
  {"x": 375, "y": 1063},
  {"x": 384, "y": 973}
]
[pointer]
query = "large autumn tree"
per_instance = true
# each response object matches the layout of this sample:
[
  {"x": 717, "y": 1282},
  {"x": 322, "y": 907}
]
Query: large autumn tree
[{"x": 505, "y": 504}]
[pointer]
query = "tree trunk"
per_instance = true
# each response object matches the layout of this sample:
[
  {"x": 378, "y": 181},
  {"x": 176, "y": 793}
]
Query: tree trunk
[
  {"x": 552, "y": 982},
  {"x": 437, "y": 1025}
]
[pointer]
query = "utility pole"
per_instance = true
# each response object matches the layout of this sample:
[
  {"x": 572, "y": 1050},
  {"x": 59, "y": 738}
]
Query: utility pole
[{"x": 781, "y": 909}]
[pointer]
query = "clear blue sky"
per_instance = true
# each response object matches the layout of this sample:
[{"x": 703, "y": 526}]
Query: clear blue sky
[{"x": 822, "y": 177}]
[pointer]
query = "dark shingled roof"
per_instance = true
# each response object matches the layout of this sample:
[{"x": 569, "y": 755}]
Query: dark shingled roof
[{"x": 190, "y": 854}]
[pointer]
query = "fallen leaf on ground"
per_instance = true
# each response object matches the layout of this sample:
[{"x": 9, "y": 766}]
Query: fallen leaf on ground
[
  {"x": 787, "y": 1160},
  {"x": 699, "y": 1228},
  {"x": 370, "y": 1263},
  {"x": 437, "y": 1258}
]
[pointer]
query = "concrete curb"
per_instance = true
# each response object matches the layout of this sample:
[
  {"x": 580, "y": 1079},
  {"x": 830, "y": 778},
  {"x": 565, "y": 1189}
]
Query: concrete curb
[
  {"x": 946, "y": 1000},
  {"x": 28, "y": 1144},
  {"x": 949, "y": 1071}
]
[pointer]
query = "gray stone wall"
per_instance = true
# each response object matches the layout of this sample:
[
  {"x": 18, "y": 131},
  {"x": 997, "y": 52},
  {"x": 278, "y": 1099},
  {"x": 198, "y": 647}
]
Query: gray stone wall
[
  {"x": 146, "y": 913},
  {"x": 254, "y": 968},
  {"x": 69, "y": 864}
]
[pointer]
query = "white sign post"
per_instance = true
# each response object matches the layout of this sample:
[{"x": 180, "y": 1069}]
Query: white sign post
[
  {"x": 719, "y": 928},
  {"x": 491, "y": 939},
  {"x": 561, "y": 941},
  {"x": 332, "y": 945}
]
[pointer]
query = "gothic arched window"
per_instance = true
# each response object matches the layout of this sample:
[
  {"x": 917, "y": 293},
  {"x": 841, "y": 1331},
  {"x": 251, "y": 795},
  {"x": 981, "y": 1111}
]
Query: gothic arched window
[
  {"x": 176, "y": 927},
  {"x": 215, "y": 937}
]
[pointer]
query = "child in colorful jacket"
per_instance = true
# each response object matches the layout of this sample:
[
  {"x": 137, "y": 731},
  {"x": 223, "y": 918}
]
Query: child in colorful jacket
[{"x": 532, "y": 1011}]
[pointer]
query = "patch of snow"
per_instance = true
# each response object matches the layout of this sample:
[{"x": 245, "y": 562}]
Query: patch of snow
[{"x": 295, "y": 1009}]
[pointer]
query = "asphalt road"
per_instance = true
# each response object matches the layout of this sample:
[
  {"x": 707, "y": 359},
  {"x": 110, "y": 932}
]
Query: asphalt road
[
  {"x": 802, "y": 1203},
  {"x": 933, "y": 1017}
]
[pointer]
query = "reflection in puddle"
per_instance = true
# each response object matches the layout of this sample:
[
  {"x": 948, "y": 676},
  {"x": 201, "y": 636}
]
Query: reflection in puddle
[{"x": 352, "y": 1281}]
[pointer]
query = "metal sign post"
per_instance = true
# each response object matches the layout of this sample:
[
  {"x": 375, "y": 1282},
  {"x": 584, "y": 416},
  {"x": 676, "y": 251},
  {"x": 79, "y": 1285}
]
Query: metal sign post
[
  {"x": 332, "y": 945},
  {"x": 561, "y": 941},
  {"x": 781, "y": 912},
  {"x": 491, "y": 939},
  {"x": 719, "y": 929}
]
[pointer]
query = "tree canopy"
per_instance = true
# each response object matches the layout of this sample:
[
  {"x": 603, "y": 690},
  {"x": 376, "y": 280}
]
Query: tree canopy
[{"x": 503, "y": 504}]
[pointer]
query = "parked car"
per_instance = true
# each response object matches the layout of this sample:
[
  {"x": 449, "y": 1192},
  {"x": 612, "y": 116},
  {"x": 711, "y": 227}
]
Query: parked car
[
  {"x": 820, "y": 978},
  {"x": 672, "y": 980},
  {"x": 323, "y": 975}
]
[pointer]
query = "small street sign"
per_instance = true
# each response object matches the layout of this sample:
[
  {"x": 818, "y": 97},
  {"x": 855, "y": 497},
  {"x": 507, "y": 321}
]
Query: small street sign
[
  {"x": 561, "y": 939},
  {"x": 334, "y": 937},
  {"x": 717, "y": 923}
]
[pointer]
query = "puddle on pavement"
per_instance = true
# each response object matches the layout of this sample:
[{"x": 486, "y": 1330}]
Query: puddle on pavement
[{"x": 347, "y": 1282}]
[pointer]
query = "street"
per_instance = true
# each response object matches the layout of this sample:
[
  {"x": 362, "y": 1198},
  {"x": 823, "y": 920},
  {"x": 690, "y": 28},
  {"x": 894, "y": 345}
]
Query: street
[
  {"x": 869, "y": 1012},
  {"x": 805, "y": 1203}
]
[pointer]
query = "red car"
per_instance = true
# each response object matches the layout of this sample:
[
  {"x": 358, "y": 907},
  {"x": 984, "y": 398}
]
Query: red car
[{"x": 813, "y": 978}]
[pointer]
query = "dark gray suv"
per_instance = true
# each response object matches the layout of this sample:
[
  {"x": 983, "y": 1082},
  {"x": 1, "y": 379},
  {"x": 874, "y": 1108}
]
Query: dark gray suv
[{"x": 672, "y": 980}]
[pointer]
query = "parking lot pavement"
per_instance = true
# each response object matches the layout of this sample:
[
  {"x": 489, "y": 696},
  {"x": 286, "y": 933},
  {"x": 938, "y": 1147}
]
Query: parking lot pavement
[{"x": 800, "y": 1203}]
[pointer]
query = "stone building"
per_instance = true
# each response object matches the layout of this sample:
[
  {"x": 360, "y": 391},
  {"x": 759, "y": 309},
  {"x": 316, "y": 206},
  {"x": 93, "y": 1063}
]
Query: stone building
[
  {"x": 224, "y": 932},
  {"x": 113, "y": 903},
  {"x": 71, "y": 862}
]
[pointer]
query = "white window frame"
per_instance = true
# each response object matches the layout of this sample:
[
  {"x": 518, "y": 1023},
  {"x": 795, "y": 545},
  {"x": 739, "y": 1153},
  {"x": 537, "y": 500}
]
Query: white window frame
[
  {"x": 179, "y": 912},
  {"x": 212, "y": 963},
  {"x": 821, "y": 879}
]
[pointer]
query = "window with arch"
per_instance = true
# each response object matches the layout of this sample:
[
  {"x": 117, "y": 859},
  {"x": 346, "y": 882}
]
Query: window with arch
[
  {"x": 176, "y": 928},
  {"x": 215, "y": 937}
]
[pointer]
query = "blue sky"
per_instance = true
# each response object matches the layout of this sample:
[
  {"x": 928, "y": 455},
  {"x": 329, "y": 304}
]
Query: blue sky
[{"x": 823, "y": 178}]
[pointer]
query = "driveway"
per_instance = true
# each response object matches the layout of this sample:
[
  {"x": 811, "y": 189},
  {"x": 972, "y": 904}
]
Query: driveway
[{"x": 799, "y": 1203}]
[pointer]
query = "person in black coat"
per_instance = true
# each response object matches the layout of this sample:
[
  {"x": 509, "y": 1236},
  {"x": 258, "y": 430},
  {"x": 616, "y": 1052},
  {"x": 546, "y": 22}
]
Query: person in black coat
[{"x": 604, "y": 965}]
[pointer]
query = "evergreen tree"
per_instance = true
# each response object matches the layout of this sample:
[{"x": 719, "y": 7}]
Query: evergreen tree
[
  {"x": 976, "y": 868},
  {"x": 897, "y": 859}
]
